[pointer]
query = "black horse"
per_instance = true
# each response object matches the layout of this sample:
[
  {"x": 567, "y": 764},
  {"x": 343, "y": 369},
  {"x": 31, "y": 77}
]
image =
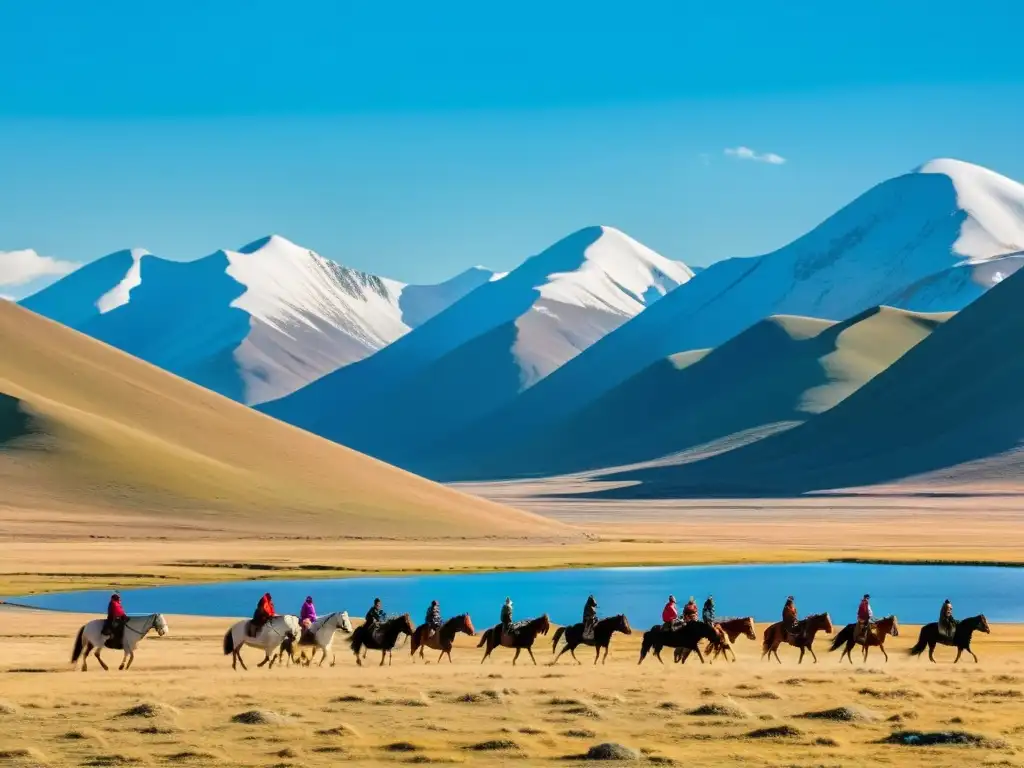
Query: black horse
[
  {"x": 523, "y": 636},
  {"x": 602, "y": 638},
  {"x": 685, "y": 636},
  {"x": 930, "y": 637},
  {"x": 383, "y": 640}
]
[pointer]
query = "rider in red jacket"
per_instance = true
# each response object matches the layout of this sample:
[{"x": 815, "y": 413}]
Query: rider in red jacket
[
  {"x": 264, "y": 613},
  {"x": 115, "y": 616},
  {"x": 670, "y": 612},
  {"x": 863, "y": 617}
]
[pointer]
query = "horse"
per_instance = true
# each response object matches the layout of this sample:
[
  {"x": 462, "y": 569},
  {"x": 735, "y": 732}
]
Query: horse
[
  {"x": 602, "y": 638},
  {"x": 90, "y": 636},
  {"x": 383, "y": 640},
  {"x": 732, "y": 629},
  {"x": 320, "y": 635},
  {"x": 686, "y": 637},
  {"x": 965, "y": 628},
  {"x": 802, "y": 638},
  {"x": 443, "y": 639},
  {"x": 522, "y": 637},
  {"x": 876, "y": 636},
  {"x": 279, "y": 630}
]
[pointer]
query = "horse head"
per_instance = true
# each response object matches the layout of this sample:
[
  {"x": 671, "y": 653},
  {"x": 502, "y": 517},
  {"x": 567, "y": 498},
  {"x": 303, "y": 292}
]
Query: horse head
[
  {"x": 826, "y": 623},
  {"x": 748, "y": 628},
  {"x": 624, "y": 627},
  {"x": 467, "y": 625},
  {"x": 543, "y": 624},
  {"x": 983, "y": 624},
  {"x": 895, "y": 629},
  {"x": 160, "y": 624},
  {"x": 345, "y": 622},
  {"x": 406, "y": 624}
]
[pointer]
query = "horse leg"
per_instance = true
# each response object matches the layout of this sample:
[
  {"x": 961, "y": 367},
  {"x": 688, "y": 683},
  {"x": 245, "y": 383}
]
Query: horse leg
[
  {"x": 968, "y": 649},
  {"x": 449, "y": 652},
  {"x": 931, "y": 652},
  {"x": 440, "y": 656},
  {"x": 564, "y": 649},
  {"x": 266, "y": 658},
  {"x": 813, "y": 655},
  {"x": 959, "y": 653},
  {"x": 882, "y": 649},
  {"x": 605, "y": 659},
  {"x": 124, "y": 660},
  {"x": 572, "y": 652},
  {"x": 803, "y": 650},
  {"x": 102, "y": 663},
  {"x": 597, "y": 654},
  {"x": 518, "y": 651},
  {"x": 529, "y": 650},
  {"x": 323, "y": 657},
  {"x": 700, "y": 656},
  {"x": 131, "y": 658},
  {"x": 383, "y": 655}
]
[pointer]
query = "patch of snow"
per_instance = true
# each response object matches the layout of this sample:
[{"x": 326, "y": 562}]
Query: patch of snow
[
  {"x": 994, "y": 206},
  {"x": 120, "y": 294}
]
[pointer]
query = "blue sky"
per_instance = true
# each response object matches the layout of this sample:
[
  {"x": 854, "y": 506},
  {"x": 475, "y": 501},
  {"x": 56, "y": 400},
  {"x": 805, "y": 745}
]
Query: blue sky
[{"x": 414, "y": 139}]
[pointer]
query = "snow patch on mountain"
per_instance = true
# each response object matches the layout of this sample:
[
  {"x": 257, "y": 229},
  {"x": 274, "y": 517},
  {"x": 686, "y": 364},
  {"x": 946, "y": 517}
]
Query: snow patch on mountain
[{"x": 120, "y": 294}]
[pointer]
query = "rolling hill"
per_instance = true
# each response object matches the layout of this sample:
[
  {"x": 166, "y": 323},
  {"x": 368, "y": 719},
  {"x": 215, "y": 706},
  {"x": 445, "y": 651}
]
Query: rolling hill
[
  {"x": 486, "y": 348},
  {"x": 887, "y": 246},
  {"x": 88, "y": 429},
  {"x": 773, "y": 376},
  {"x": 253, "y": 324},
  {"x": 949, "y": 412}
]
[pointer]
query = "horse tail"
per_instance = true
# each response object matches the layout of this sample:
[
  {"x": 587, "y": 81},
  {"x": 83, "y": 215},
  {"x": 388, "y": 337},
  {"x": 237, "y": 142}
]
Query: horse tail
[
  {"x": 229, "y": 643},
  {"x": 356, "y": 641},
  {"x": 922, "y": 643},
  {"x": 484, "y": 638},
  {"x": 414, "y": 642},
  {"x": 78, "y": 645},
  {"x": 842, "y": 637},
  {"x": 558, "y": 636},
  {"x": 645, "y": 647},
  {"x": 767, "y": 641}
]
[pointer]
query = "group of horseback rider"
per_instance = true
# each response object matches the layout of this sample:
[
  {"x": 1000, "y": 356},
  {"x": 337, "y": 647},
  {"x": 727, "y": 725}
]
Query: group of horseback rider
[{"x": 113, "y": 627}]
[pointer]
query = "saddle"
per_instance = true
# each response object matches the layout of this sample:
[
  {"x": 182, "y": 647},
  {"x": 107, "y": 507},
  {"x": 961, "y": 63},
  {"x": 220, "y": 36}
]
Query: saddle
[
  {"x": 588, "y": 630},
  {"x": 514, "y": 629},
  {"x": 947, "y": 628},
  {"x": 308, "y": 637},
  {"x": 114, "y": 637}
]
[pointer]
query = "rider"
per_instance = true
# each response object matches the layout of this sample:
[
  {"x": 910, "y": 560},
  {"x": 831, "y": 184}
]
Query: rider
[
  {"x": 790, "y": 617},
  {"x": 670, "y": 613},
  {"x": 947, "y": 624},
  {"x": 375, "y": 616},
  {"x": 307, "y": 616},
  {"x": 690, "y": 611},
  {"x": 264, "y": 612},
  {"x": 506, "y": 616},
  {"x": 589, "y": 617},
  {"x": 433, "y": 618},
  {"x": 113, "y": 627},
  {"x": 864, "y": 618},
  {"x": 708, "y": 614}
]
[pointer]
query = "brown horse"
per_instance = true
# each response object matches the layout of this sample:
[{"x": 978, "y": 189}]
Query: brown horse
[
  {"x": 443, "y": 639},
  {"x": 876, "y": 636},
  {"x": 522, "y": 637},
  {"x": 730, "y": 630},
  {"x": 802, "y": 637}
]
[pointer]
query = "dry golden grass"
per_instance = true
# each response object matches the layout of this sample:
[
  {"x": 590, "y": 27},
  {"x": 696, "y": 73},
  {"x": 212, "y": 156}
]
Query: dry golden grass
[
  {"x": 182, "y": 705},
  {"x": 89, "y": 432}
]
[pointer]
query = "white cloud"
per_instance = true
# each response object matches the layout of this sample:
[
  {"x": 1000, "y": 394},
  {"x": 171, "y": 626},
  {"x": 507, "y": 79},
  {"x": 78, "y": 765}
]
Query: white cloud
[
  {"x": 20, "y": 267},
  {"x": 746, "y": 153}
]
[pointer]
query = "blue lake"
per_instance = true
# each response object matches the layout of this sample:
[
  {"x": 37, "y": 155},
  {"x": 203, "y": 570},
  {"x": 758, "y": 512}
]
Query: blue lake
[{"x": 913, "y": 592}]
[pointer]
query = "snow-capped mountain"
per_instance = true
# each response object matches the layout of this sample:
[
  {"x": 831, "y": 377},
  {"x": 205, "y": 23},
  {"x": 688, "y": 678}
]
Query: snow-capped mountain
[
  {"x": 486, "y": 348},
  {"x": 944, "y": 222},
  {"x": 253, "y": 324}
]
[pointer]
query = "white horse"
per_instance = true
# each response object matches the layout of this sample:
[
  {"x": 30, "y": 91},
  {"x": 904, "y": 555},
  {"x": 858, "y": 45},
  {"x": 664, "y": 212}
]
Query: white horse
[
  {"x": 91, "y": 636},
  {"x": 322, "y": 631},
  {"x": 270, "y": 637}
]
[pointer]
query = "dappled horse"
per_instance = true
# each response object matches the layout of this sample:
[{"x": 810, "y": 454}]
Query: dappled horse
[
  {"x": 320, "y": 636},
  {"x": 90, "y": 636},
  {"x": 280, "y": 630},
  {"x": 965, "y": 628},
  {"x": 602, "y": 638},
  {"x": 383, "y": 639},
  {"x": 523, "y": 635},
  {"x": 802, "y": 637},
  {"x": 685, "y": 637},
  {"x": 443, "y": 639},
  {"x": 875, "y": 636}
]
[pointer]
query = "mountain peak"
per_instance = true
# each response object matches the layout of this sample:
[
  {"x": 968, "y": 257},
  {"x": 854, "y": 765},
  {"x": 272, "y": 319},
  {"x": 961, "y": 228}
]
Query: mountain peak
[
  {"x": 272, "y": 240},
  {"x": 994, "y": 206}
]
